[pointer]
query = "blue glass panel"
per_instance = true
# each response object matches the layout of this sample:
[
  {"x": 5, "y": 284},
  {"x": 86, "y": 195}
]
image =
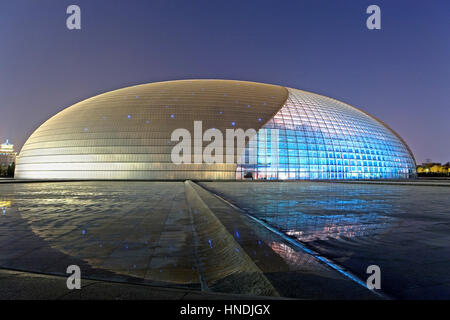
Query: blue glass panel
[{"x": 322, "y": 138}]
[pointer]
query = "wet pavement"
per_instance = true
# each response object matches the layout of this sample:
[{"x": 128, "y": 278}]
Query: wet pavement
[
  {"x": 18, "y": 285},
  {"x": 131, "y": 231},
  {"x": 404, "y": 229},
  {"x": 179, "y": 235}
]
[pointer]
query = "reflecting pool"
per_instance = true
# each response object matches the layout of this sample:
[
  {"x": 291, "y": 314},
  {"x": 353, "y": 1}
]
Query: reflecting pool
[
  {"x": 404, "y": 229},
  {"x": 165, "y": 233}
]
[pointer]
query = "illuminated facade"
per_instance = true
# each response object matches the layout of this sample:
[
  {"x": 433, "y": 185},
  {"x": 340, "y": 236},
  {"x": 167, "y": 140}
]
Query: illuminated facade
[
  {"x": 126, "y": 134},
  {"x": 7, "y": 154},
  {"x": 434, "y": 168},
  {"x": 323, "y": 138}
]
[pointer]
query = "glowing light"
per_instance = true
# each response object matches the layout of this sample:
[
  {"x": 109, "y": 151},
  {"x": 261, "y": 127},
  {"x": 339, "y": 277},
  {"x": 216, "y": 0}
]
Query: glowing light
[
  {"x": 5, "y": 204},
  {"x": 321, "y": 138}
]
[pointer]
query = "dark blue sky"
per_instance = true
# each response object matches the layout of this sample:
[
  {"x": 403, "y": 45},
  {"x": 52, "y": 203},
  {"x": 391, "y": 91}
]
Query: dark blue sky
[{"x": 400, "y": 74}]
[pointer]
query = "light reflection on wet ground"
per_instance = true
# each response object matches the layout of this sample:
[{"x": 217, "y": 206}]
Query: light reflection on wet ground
[
  {"x": 403, "y": 229},
  {"x": 144, "y": 232},
  {"x": 154, "y": 233},
  {"x": 139, "y": 230}
]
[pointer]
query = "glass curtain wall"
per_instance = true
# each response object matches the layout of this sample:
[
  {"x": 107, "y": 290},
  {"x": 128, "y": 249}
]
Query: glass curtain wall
[{"x": 316, "y": 137}]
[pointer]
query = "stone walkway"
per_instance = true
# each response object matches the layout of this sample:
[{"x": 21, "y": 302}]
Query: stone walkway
[
  {"x": 17, "y": 285},
  {"x": 167, "y": 234}
]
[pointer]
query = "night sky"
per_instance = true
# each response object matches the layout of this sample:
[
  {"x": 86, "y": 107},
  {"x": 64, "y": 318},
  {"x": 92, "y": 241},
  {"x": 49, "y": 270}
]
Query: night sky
[{"x": 400, "y": 74}]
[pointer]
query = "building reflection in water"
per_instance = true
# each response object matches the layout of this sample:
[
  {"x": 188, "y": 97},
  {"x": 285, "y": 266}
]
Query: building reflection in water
[
  {"x": 138, "y": 229},
  {"x": 315, "y": 211},
  {"x": 144, "y": 229},
  {"x": 292, "y": 257}
]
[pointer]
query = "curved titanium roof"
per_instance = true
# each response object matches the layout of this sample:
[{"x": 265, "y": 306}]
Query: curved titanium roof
[{"x": 126, "y": 134}]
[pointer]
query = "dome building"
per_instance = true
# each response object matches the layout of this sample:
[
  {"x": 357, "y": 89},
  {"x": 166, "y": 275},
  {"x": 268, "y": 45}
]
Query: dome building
[{"x": 127, "y": 134}]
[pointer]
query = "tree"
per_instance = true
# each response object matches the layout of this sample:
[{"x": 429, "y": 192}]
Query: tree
[{"x": 10, "y": 170}]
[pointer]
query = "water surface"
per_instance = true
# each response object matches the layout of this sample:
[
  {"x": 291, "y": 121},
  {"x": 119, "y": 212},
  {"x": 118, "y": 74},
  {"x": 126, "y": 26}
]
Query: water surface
[{"x": 404, "y": 229}]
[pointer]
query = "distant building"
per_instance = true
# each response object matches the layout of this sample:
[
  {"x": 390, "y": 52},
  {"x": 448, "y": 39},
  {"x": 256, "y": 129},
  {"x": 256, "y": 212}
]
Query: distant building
[
  {"x": 7, "y": 158},
  {"x": 433, "y": 169}
]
